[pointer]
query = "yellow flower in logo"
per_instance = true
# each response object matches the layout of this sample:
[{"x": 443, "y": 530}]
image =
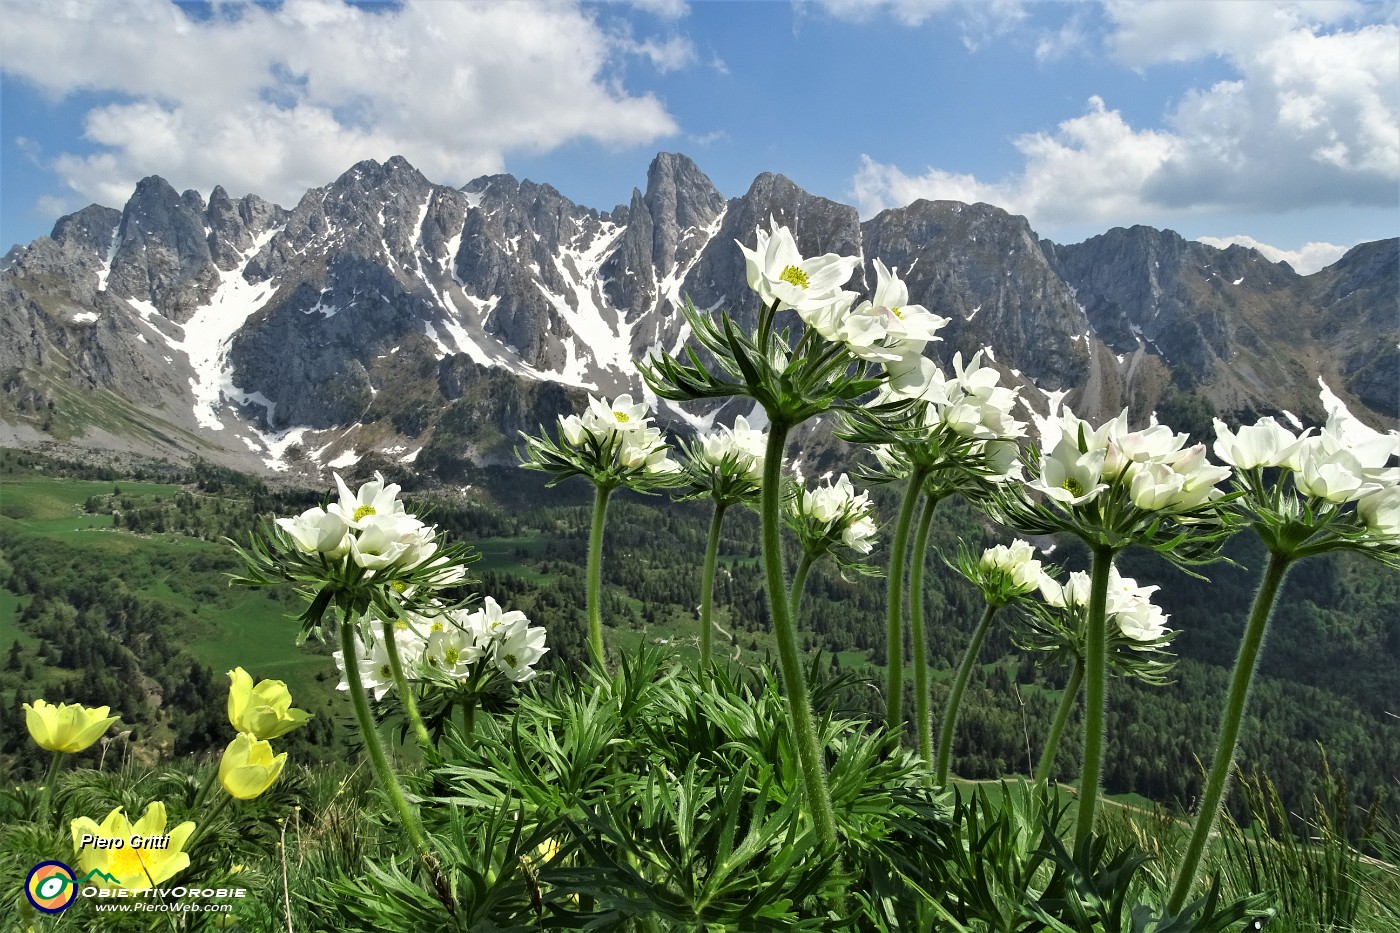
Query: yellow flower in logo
[{"x": 131, "y": 867}]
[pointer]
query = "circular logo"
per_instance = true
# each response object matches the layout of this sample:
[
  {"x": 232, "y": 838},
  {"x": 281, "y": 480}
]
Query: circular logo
[{"x": 51, "y": 887}]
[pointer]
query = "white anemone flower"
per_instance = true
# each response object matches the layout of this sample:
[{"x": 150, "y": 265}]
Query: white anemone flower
[
  {"x": 373, "y": 498},
  {"x": 519, "y": 650},
  {"x": 1266, "y": 443},
  {"x": 913, "y": 376},
  {"x": 741, "y": 445},
  {"x": 1380, "y": 511},
  {"x": 1331, "y": 475},
  {"x": 452, "y": 651},
  {"x": 317, "y": 531},
  {"x": 1070, "y": 477},
  {"x": 385, "y": 540},
  {"x": 376, "y": 674},
  {"x": 620, "y": 416},
  {"x": 777, "y": 272},
  {"x": 1015, "y": 564},
  {"x": 1142, "y": 621}
]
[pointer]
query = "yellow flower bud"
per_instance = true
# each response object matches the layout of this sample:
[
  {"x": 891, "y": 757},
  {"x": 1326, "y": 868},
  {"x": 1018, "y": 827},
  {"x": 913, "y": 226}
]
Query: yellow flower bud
[
  {"x": 264, "y": 710},
  {"x": 132, "y": 867},
  {"x": 68, "y": 727},
  {"x": 248, "y": 767}
]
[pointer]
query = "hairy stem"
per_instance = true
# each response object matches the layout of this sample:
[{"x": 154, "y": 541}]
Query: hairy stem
[
  {"x": 894, "y": 615},
  {"x": 595, "y": 575},
  {"x": 1052, "y": 741},
  {"x": 950, "y": 717},
  {"x": 379, "y": 763},
  {"x": 1096, "y": 674},
  {"x": 46, "y": 796},
  {"x": 923, "y": 702},
  {"x": 794, "y": 679},
  {"x": 405, "y": 692},
  {"x": 1230, "y": 721},
  {"x": 799, "y": 583},
  {"x": 707, "y": 586}
]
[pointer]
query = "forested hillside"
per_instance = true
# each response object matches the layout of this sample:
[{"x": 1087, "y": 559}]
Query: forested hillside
[{"x": 114, "y": 592}]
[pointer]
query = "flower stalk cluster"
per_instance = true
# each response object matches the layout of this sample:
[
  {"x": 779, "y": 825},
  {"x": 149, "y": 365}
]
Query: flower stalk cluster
[
  {"x": 726, "y": 466},
  {"x": 1303, "y": 494},
  {"x": 611, "y": 444}
]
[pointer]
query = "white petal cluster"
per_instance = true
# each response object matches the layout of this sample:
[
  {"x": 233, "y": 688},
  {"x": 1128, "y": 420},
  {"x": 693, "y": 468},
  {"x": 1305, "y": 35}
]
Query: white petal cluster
[
  {"x": 1346, "y": 461},
  {"x": 741, "y": 447},
  {"x": 1154, "y": 466},
  {"x": 974, "y": 403},
  {"x": 778, "y": 272},
  {"x": 839, "y": 513},
  {"x": 1013, "y": 567},
  {"x": 369, "y": 526},
  {"x": 1129, "y": 606},
  {"x": 454, "y": 644},
  {"x": 622, "y": 428}
]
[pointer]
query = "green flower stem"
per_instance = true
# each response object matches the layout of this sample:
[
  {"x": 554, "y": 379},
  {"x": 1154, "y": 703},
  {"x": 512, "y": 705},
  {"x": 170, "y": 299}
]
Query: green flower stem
[
  {"x": 204, "y": 789},
  {"x": 1067, "y": 702},
  {"x": 794, "y": 680},
  {"x": 379, "y": 762},
  {"x": 405, "y": 692},
  {"x": 799, "y": 583},
  {"x": 707, "y": 586},
  {"x": 46, "y": 794},
  {"x": 1052, "y": 742},
  {"x": 206, "y": 820},
  {"x": 595, "y": 575},
  {"x": 1216, "y": 784},
  {"x": 1096, "y": 672},
  {"x": 894, "y": 619},
  {"x": 469, "y": 721},
  {"x": 923, "y": 701},
  {"x": 950, "y": 718}
]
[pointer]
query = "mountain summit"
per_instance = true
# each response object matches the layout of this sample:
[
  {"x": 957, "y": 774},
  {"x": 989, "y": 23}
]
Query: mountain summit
[{"x": 422, "y": 323}]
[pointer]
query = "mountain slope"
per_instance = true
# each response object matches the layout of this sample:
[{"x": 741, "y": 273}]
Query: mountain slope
[{"x": 386, "y": 314}]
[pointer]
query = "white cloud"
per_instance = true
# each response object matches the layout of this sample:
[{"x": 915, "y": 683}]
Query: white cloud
[
  {"x": 1312, "y": 119},
  {"x": 978, "y": 20},
  {"x": 276, "y": 101},
  {"x": 1090, "y": 169},
  {"x": 1305, "y": 260}
]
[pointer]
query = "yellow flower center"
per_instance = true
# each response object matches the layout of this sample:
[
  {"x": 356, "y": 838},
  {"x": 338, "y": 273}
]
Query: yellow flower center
[
  {"x": 385, "y": 672},
  {"x": 795, "y": 276},
  {"x": 398, "y": 585},
  {"x": 128, "y": 867},
  {"x": 452, "y": 655},
  {"x": 510, "y": 660},
  {"x": 401, "y": 624},
  {"x": 436, "y": 627},
  {"x": 622, "y": 417},
  {"x": 1075, "y": 487},
  {"x": 364, "y": 510},
  {"x": 895, "y": 312}
]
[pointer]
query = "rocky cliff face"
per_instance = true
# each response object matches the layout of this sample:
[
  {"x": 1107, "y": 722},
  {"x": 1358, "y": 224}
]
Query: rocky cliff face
[{"x": 387, "y": 313}]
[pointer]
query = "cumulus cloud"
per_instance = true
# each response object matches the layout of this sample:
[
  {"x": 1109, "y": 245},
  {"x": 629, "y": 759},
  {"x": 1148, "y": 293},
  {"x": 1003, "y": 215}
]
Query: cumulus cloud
[
  {"x": 1091, "y": 168},
  {"x": 978, "y": 20},
  {"x": 1312, "y": 118},
  {"x": 1305, "y": 260},
  {"x": 278, "y": 100}
]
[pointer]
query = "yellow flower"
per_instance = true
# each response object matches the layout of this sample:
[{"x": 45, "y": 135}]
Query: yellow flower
[
  {"x": 248, "y": 767},
  {"x": 131, "y": 867},
  {"x": 68, "y": 727},
  {"x": 264, "y": 710}
]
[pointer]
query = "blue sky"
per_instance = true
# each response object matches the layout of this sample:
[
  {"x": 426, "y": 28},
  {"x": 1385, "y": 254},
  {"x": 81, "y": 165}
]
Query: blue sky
[{"x": 1272, "y": 124}]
